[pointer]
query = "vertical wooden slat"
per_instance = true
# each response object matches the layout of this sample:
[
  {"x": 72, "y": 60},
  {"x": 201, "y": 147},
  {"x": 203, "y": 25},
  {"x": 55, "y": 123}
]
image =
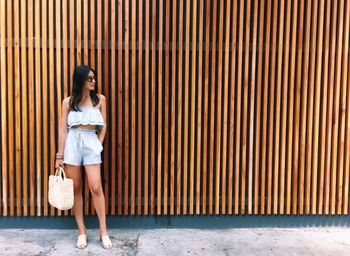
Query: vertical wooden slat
[
  {"x": 206, "y": 109},
  {"x": 160, "y": 109},
  {"x": 140, "y": 107},
  {"x": 218, "y": 110},
  {"x": 276, "y": 168},
  {"x": 38, "y": 88},
  {"x": 290, "y": 159},
  {"x": 310, "y": 110},
  {"x": 264, "y": 114},
  {"x": 199, "y": 109},
  {"x": 179, "y": 114},
  {"x": 31, "y": 107},
  {"x": 126, "y": 109},
  {"x": 330, "y": 109},
  {"x": 153, "y": 106},
  {"x": 58, "y": 61},
  {"x": 186, "y": 107},
  {"x": 166, "y": 106},
  {"x": 283, "y": 156},
  {"x": 238, "y": 105},
  {"x": 245, "y": 107},
  {"x": 193, "y": 98},
  {"x": 65, "y": 56},
  {"x": 146, "y": 126},
  {"x": 342, "y": 109},
  {"x": 1, "y": 80},
  {"x": 79, "y": 30},
  {"x": 297, "y": 108},
  {"x": 225, "y": 126},
  {"x": 105, "y": 90},
  {"x": 304, "y": 93},
  {"x": 92, "y": 19},
  {"x": 335, "y": 123},
  {"x": 10, "y": 87},
  {"x": 212, "y": 109},
  {"x": 271, "y": 130},
  {"x": 4, "y": 131},
  {"x": 72, "y": 58},
  {"x": 322, "y": 152},
  {"x": 252, "y": 111},
  {"x": 99, "y": 45},
  {"x": 232, "y": 123},
  {"x": 24, "y": 110},
  {"x": 347, "y": 140},
  {"x": 133, "y": 104},
  {"x": 51, "y": 92},
  {"x": 316, "y": 118},
  {"x": 120, "y": 105},
  {"x": 17, "y": 100},
  {"x": 258, "y": 108},
  {"x": 86, "y": 32},
  {"x": 173, "y": 110},
  {"x": 113, "y": 104},
  {"x": 45, "y": 95}
]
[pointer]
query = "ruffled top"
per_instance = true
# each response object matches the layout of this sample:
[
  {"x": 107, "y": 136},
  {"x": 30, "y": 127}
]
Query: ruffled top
[{"x": 87, "y": 116}]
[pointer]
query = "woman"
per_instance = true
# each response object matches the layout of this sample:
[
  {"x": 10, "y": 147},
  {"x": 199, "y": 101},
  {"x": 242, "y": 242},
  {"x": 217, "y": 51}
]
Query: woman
[{"x": 81, "y": 133}]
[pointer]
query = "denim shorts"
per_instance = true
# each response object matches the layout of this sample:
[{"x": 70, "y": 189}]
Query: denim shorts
[{"x": 82, "y": 147}]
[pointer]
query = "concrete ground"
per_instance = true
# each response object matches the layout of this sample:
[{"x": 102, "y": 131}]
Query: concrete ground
[{"x": 237, "y": 241}]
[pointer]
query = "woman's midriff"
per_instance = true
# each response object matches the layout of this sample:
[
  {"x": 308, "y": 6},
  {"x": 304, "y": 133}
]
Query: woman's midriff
[{"x": 85, "y": 127}]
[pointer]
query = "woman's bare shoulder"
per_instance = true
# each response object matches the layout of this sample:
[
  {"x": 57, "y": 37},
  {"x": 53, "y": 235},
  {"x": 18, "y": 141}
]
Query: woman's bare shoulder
[
  {"x": 65, "y": 101},
  {"x": 102, "y": 100},
  {"x": 102, "y": 97}
]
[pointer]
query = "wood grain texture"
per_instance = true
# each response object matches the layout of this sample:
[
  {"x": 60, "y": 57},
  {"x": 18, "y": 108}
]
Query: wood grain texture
[
  {"x": 4, "y": 132},
  {"x": 317, "y": 115},
  {"x": 259, "y": 86}
]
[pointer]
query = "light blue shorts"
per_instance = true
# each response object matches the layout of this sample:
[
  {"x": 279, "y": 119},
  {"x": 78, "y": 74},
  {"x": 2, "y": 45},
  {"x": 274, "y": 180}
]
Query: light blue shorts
[{"x": 82, "y": 147}]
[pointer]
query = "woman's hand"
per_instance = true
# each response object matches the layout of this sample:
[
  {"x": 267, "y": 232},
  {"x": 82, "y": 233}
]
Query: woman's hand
[{"x": 59, "y": 163}]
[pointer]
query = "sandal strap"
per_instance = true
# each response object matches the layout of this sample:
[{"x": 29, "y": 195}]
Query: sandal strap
[
  {"x": 81, "y": 240},
  {"x": 106, "y": 241}
]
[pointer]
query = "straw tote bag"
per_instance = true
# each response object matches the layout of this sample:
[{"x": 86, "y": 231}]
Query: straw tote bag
[{"x": 61, "y": 191}]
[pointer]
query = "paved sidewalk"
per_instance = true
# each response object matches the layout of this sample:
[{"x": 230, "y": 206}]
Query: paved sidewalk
[{"x": 252, "y": 241}]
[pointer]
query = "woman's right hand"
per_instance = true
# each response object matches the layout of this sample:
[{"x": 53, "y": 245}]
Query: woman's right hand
[{"x": 59, "y": 163}]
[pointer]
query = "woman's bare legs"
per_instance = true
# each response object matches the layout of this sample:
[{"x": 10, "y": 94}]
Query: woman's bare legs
[
  {"x": 94, "y": 178},
  {"x": 74, "y": 172}
]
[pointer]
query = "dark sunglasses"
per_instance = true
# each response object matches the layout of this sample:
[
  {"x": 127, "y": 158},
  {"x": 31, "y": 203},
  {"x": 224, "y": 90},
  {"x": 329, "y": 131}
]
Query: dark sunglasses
[{"x": 91, "y": 78}]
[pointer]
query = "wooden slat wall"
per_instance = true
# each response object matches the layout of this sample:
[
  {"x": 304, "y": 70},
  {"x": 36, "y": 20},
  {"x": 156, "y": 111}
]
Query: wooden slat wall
[{"x": 214, "y": 107}]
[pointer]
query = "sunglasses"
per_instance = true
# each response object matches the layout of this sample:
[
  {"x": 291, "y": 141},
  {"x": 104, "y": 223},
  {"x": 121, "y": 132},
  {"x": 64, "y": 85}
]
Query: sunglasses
[{"x": 91, "y": 78}]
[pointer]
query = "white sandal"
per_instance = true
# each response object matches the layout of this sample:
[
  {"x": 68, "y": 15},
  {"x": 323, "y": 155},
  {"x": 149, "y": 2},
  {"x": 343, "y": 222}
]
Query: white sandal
[
  {"x": 106, "y": 242},
  {"x": 82, "y": 241}
]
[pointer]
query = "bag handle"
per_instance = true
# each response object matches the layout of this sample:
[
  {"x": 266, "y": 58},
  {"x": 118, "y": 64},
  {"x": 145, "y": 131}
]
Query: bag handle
[{"x": 61, "y": 170}]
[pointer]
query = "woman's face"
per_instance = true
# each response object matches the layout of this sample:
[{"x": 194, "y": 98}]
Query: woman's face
[{"x": 90, "y": 81}]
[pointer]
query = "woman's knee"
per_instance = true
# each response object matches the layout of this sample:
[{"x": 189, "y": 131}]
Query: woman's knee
[{"x": 96, "y": 189}]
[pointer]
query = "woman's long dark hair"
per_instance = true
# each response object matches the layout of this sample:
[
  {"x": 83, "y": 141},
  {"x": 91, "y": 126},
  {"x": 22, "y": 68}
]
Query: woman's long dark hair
[{"x": 79, "y": 77}]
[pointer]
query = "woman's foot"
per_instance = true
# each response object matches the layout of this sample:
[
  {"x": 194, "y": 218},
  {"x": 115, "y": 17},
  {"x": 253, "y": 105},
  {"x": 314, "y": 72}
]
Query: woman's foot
[
  {"x": 106, "y": 242},
  {"x": 82, "y": 240}
]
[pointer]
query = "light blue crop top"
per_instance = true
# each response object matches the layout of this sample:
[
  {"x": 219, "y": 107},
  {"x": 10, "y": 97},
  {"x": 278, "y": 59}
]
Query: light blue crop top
[{"x": 87, "y": 115}]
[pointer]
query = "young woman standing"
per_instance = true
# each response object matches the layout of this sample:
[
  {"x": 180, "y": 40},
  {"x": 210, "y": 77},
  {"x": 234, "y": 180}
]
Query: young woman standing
[{"x": 81, "y": 133}]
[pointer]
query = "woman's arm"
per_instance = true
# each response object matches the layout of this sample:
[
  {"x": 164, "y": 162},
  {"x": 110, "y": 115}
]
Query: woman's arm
[
  {"x": 102, "y": 132},
  {"x": 62, "y": 133}
]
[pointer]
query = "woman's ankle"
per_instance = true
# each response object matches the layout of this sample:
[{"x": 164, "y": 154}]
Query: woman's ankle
[
  {"x": 103, "y": 231},
  {"x": 82, "y": 230}
]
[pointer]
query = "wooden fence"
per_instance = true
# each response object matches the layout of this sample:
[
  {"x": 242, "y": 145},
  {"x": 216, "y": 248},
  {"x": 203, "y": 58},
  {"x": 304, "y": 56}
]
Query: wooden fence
[{"x": 214, "y": 107}]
